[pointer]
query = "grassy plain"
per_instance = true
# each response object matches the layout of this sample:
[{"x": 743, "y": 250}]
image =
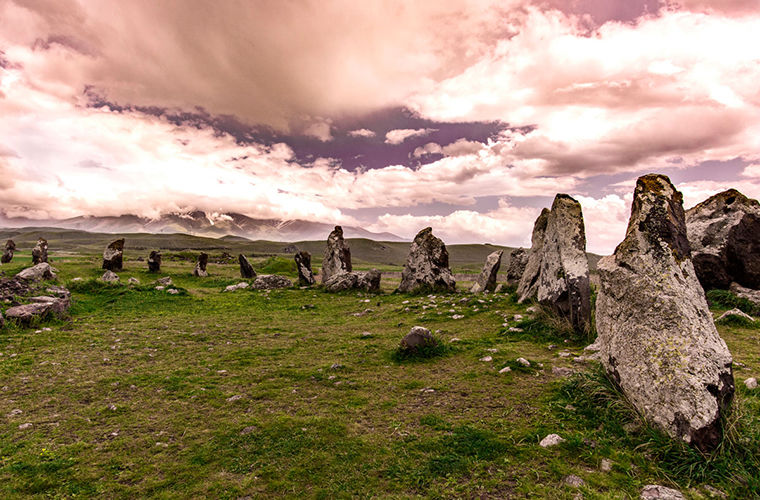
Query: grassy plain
[{"x": 143, "y": 394}]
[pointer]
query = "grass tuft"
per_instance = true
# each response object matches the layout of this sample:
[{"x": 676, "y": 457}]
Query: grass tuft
[
  {"x": 436, "y": 350},
  {"x": 727, "y": 300}
]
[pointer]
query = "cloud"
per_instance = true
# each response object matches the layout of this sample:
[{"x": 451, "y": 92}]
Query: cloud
[
  {"x": 428, "y": 149},
  {"x": 400, "y": 135},
  {"x": 676, "y": 86},
  {"x": 362, "y": 132},
  {"x": 320, "y": 129}
]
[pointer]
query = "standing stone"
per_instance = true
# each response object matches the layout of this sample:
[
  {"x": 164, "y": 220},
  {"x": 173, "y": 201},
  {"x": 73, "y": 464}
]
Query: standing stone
[
  {"x": 113, "y": 255},
  {"x": 724, "y": 235},
  {"x": 657, "y": 339},
  {"x": 487, "y": 279},
  {"x": 563, "y": 284},
  {"x": 246, "y": 269},
  {"x": 200, "y": 266},
  {"x": 303, "y": 263},
  {"x": 154, "y": 261},
  {"x": 528, "y": 286},
  {"x": 518, "y": 259},
  {"x": 337, "y": 255},
  {"x": 10, "y": 247},
  {"x": 427, "y": 265},
  {"x": 40, "y": 251}
]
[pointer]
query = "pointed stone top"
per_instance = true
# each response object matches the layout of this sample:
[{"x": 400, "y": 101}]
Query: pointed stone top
[
  {"x": 657, "y": 219},
  {"x": 117, "y": 244},
  {"x": 728, "y": 199},
  {"x": 424, "y": 232}
]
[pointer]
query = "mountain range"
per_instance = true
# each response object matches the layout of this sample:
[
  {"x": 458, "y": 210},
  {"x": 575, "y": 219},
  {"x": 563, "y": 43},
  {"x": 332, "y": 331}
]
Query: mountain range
[{"x": 199, "y": 223}]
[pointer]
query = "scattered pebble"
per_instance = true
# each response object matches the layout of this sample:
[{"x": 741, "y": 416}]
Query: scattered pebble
[
  {"x": 234, "y": 398},
  {"x": 336, "y": 366},
  {"x": 751, "y": 383},
  {"x": 492, "y": 350},
  {"x": 523, "y": 361},
  {"x": 486, "y": 359},
  {"x": 561, "y": 371},
  {"x": 455, "y": 339},
  {"x": 248, "y": 430},
  {"x": 551, "y": 440},
  {"x": 514, "y": 329},
  {"x": 606, "y": 465},
  {"x": 25, "y": 426},
  {"x": 457, "y": 316},
  {"x": 574, "y": 481},
  {"x": 506, "y": 369},
  {"x": 657, "y": 491}
]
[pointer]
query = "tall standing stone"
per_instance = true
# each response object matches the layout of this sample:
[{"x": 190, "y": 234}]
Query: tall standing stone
[
  {"x": 518, "y": 259},
  {"x": 564, "y": 284},
  {"x": 10, "y": 247},
  {"x": 487, "y": 278},
  {"x": 246, "y": 269},
  {"x": 529, "y": 282},
  {"x": 337, "y": 255},
  {"x": 113, "y": 255},
  {"x": 724, "y": 235},
  {"x": 657, "y": 338},
  {"x": 40, "y": 252},
  {"x": 303, "y": 264},
  {"x": 154, "y": 261},
  {"x": 427, "y": 265},
  {"x": 200, "y": 266}
]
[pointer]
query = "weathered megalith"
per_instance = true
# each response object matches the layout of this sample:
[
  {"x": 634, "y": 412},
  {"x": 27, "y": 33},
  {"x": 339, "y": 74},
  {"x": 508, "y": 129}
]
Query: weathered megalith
[
  {"x": 518, "y": 259},
  {"x": 487, "y": 279},
  {"x": 10, "y": 247},
  {"x": 563, "y": 283},
  {"x": 154, "y": 261},
  {"x": 656, "y": 336},
  {"x": 337, "y": 255},
  {"x": 724, "y": 235},
  {"x": 40, "y": 251},
  {"x": 200, "y": 266},
  {"x": 368, "y": 281},
  {"x": 427, "y": 265},
  {"x": 113, "y": 255},
  {"x": 303, "y": 263},
  {"x": 39, "y": 307},
  {"x": 529, "y": 281},
  {"x": 246, "y": 269}
]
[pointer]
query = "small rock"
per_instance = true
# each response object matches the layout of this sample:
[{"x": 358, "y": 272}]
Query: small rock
[
  {"x": 574, "y": 481},
  {"x": 751, "y": 383},
  {"x": 110, "y": 277},
  {"x": 25, "y": 426},
  {"x": 336, "y": 366},
  {"x": 457, "y": 316},
  {"x": 506, "y": 369},
  {"x": 165, "y": 281},
  {"x": 661, "y": 492},
  {"x": 561, "y": 371},
  {"x": 551, "y": 440},
  {"x": 172, "y": 291},
  {"x": 366, "y": 334},
  {"x": 248, "y": 430},
  {"x": 486, "y": 359},
  {"x": 455, "y": 339},
  {"x": 159, "y": 287},
  {"x": 492, "y": 350},
  {"x": 606, "y": 465},
  {"x": 112, "y": 407},
  {"x": 735, "y": 312},
  {"x": 133, "y": 281},
  {"x": 236, "y": 397},
  {"x": 514, "y": 329},
  {"x": 523, "y": 361}
]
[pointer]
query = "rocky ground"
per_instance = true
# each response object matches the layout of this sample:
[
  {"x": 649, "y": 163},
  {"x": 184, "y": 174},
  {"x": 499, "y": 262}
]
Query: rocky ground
[{"x": 299, "y": 392}]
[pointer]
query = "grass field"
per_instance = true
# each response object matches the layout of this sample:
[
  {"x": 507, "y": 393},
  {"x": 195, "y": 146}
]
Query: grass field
[{"x": 142, "y": 394}]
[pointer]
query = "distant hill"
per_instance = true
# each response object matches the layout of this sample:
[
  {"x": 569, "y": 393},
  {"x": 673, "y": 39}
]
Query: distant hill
[{"x": 200, "y": 223}]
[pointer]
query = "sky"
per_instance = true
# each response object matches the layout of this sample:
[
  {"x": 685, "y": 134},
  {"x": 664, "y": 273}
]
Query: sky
[{"x": 467, "y": 116}]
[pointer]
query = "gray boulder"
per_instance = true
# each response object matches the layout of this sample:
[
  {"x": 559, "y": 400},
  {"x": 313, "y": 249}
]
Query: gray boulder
[
  {"x": 303, "y": 264},
  {"x": 518, "y": 260},
  {"x": 724, "y": 234},
  {"x": 246, "y": 269},
  {"x": 110, "y": 277},
  {"x": 427, "y": 266},
  {"x": 39, "y": 308},
  {"x": 10, "y": 247},
  {"x": 656, "y": 337},
  {"x": 745, "y": 293},
  {"x": 368, "y": 281},
  {"x": 42, "y": 271},
  {"x": 735, "y": 313},
  {"x": 165, "y": 281},
  {"x": 271, "y": 282},
  {"x": 487, "y": 278},
  {"x": 200, "y": 266},
  {"x": 337, "y": 255},
  {"x": 655, "y": 491},
  {"x": 563, "y": 283},
  {"x": 418, "y": 338},
  {"x": 113, "y": 255},
  {"x": 528, "y": 286},
  {"x": 40, "y": 251},
  {"x": 154, "y": 261}
]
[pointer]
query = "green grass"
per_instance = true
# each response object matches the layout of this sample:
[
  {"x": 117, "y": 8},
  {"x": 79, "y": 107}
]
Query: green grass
[
  {"x": 725, "y": 299},
  {"x": 143, "y": 394}
]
